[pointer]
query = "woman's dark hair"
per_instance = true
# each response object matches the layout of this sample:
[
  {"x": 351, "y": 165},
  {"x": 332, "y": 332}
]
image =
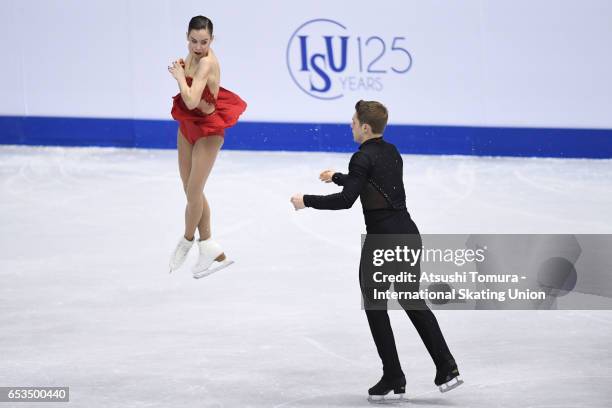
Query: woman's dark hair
[
  {"x": 200, "y": 23},
  {"x": 372, "y": 113}
]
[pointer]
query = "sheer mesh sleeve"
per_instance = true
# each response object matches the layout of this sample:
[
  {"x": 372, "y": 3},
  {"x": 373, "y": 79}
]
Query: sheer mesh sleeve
[{"x": 353, "y": 183}]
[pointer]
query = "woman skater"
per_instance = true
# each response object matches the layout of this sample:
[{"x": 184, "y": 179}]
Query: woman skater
[{"x": 204, "y": 110}]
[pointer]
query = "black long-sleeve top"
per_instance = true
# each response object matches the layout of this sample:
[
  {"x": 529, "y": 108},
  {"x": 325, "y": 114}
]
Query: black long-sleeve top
[{"x": 375, "y": 175}]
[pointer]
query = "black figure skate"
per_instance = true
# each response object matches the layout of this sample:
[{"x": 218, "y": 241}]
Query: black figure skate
[
  {"x": 384, "y": 386},
  {"x": 447, "y": 377}
]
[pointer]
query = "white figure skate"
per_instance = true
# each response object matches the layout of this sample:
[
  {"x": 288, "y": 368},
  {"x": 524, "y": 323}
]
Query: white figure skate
[
  {"x": 180, "y": 253},
  {"x": 211, "y": 260}
]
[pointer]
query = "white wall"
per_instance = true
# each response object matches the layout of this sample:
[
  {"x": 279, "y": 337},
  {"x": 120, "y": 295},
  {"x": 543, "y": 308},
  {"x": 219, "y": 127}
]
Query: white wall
[{"x": 500, "y": 62}]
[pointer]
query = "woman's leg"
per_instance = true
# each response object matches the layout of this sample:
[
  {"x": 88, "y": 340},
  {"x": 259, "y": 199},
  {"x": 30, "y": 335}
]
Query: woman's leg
[
  {"x": 184, "y": 149},
  {"x": 184, "y": 156},
  {"x": 197, "y": 213},
  {"x": 204, "y": 224}
]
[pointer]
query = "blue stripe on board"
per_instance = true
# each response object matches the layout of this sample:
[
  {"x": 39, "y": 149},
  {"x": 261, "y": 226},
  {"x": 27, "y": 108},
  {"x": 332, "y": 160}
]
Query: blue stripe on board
[{"x": 482, "y": 141}]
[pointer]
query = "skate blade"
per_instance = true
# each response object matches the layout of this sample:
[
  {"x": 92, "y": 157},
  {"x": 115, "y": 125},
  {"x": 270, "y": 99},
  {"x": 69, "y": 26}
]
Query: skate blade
[
  {"x": 451, "y": 385},
  {"x": 384, "y": 400},
  {"x": 172, "y": 270},
  {"x": 222, "y": 265}
]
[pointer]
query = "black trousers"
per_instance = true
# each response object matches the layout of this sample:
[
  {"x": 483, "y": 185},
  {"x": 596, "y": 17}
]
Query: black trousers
[{"x": 398, "y": 222}]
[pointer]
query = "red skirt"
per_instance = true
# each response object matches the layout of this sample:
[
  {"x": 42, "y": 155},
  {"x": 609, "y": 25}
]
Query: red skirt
[{"x": 195, "y": 124}]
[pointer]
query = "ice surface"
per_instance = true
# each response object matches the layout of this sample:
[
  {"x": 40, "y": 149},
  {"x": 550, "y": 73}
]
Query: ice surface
[{"x": 86, "y": 300}]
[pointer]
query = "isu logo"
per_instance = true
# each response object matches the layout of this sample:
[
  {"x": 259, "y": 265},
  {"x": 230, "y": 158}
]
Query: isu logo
[{"x": 327, "y": 61}]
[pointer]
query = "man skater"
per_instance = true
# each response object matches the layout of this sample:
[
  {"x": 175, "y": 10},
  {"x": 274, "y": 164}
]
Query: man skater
[{"x": 375, "y": 175}]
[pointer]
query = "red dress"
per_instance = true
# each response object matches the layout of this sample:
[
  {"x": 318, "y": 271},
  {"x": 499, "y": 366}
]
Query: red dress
[{"x": 195, "y": 124}]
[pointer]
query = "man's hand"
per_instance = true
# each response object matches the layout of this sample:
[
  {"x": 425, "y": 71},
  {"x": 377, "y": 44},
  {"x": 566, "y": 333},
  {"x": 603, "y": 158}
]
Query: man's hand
[
  {"x": 326, "y": 176},
  {"x": 298, "y": 201}
]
